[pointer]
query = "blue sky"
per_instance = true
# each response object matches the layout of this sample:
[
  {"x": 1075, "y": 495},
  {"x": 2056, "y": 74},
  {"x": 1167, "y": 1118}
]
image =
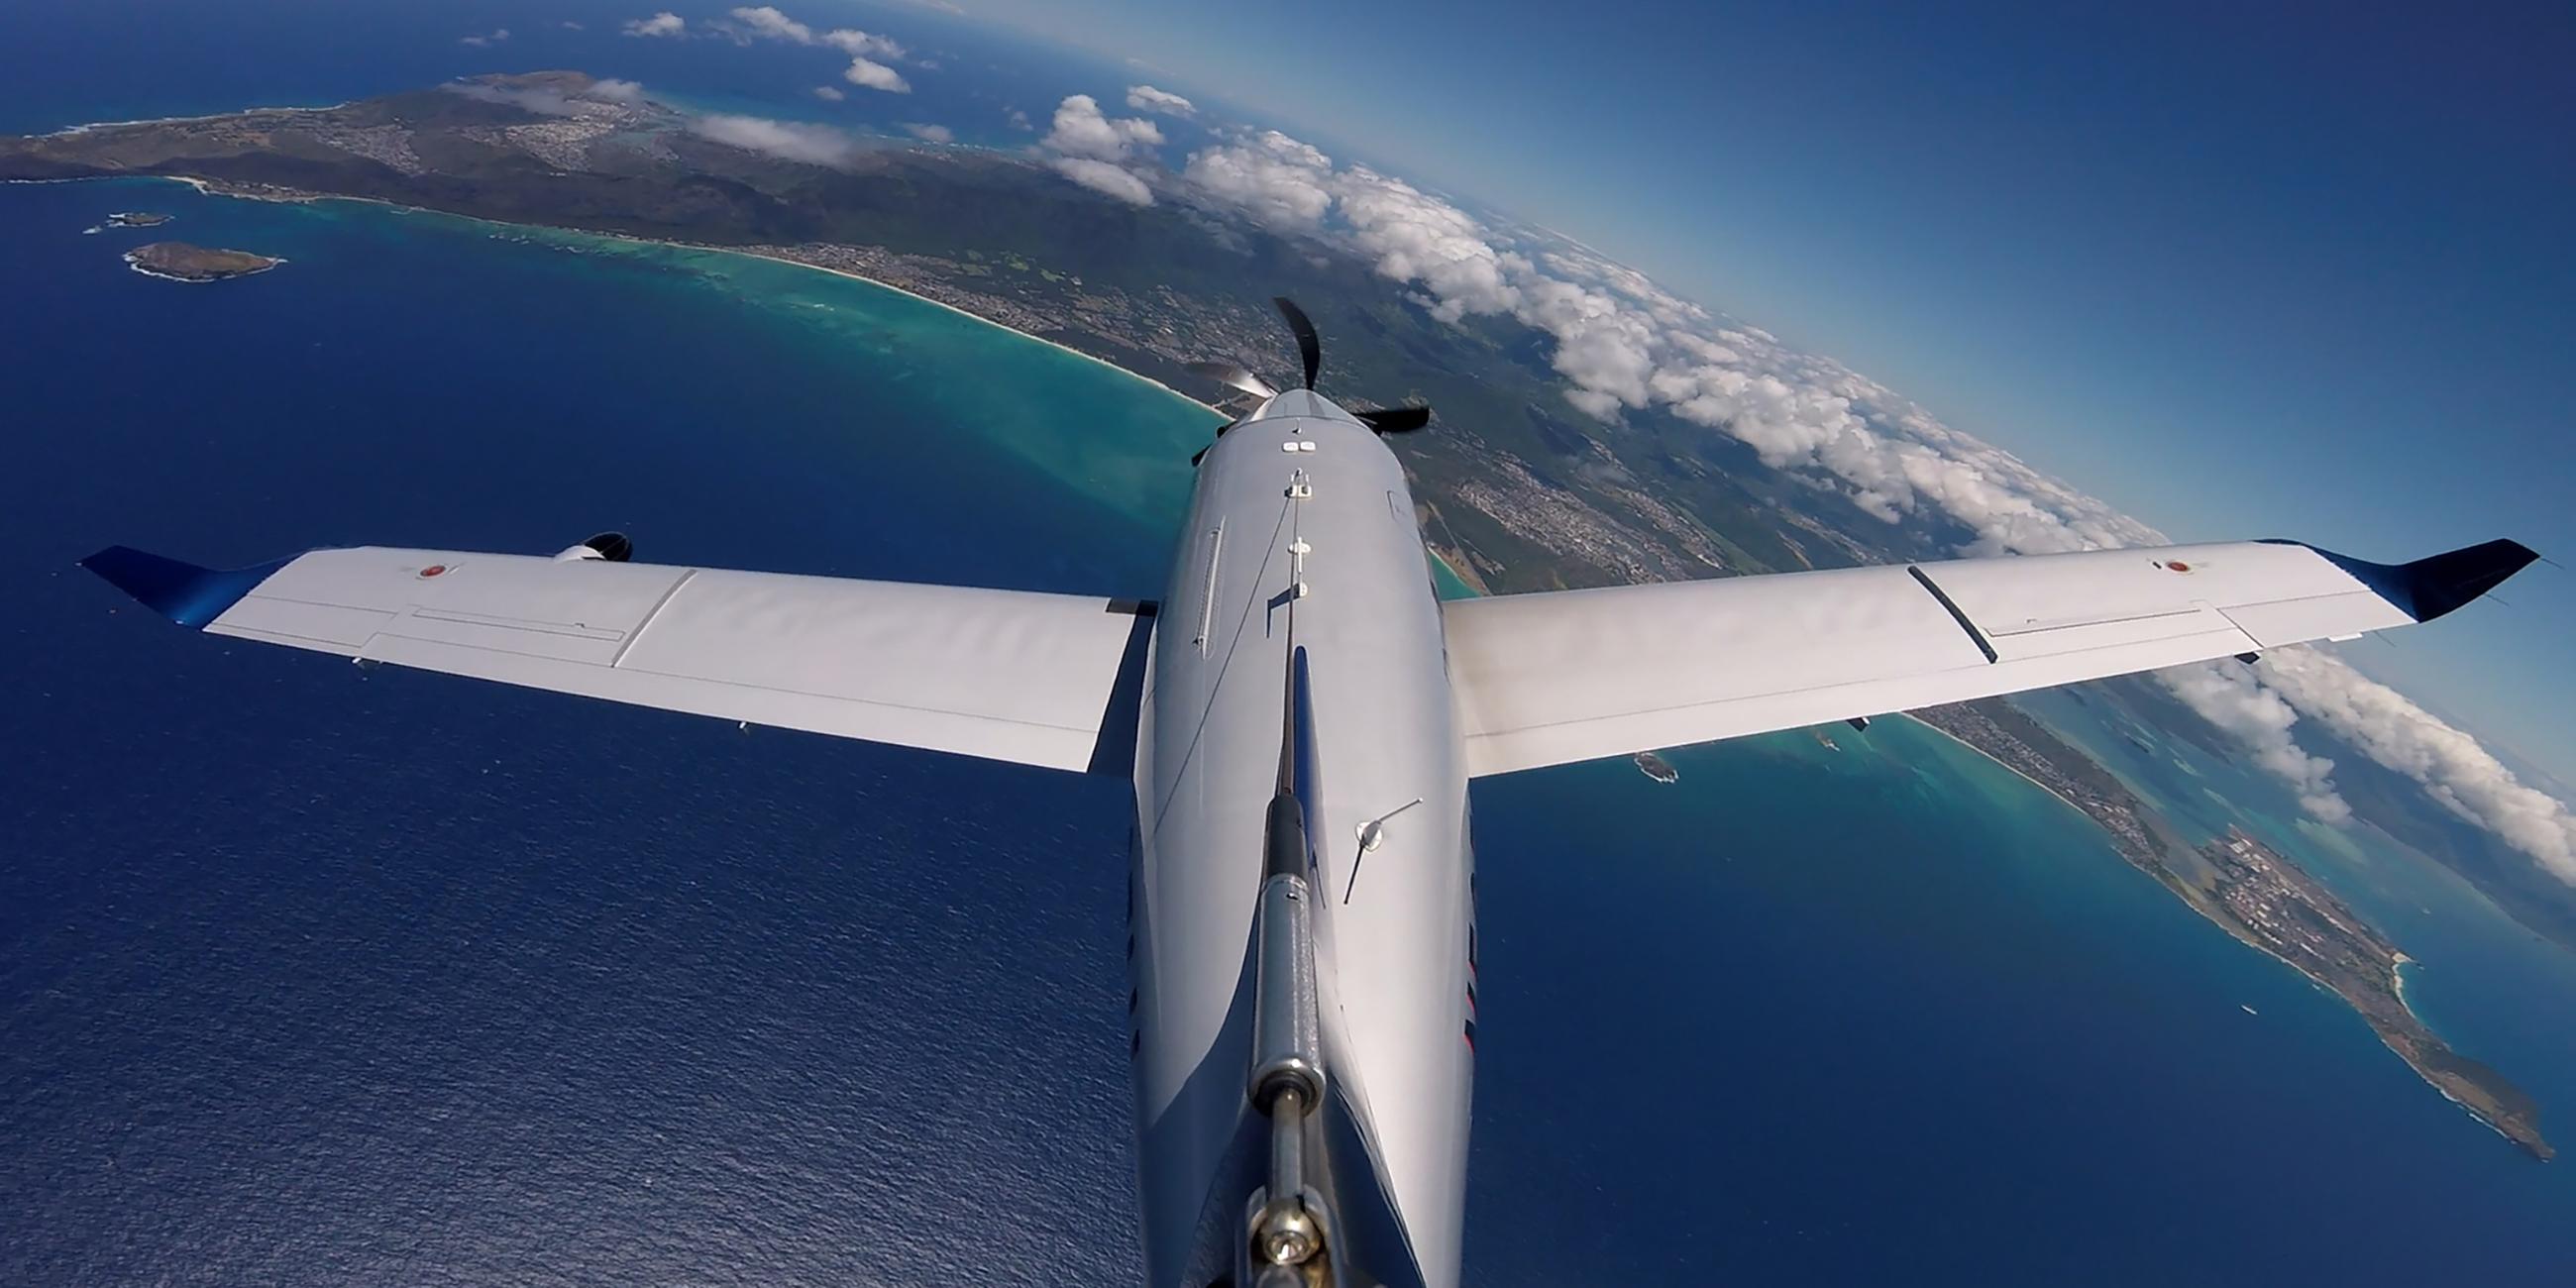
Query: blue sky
[{"x": 2297, "y": 271}]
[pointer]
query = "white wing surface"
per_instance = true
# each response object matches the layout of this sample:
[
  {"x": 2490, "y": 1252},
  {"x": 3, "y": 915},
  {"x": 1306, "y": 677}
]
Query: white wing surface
[
  {"x": 1007, "y": 675},
  {"x": 1544, "y": 679}
]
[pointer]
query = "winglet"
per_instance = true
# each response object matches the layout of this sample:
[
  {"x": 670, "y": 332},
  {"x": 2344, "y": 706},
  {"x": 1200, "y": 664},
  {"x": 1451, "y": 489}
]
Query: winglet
[
  {"x": 2437, "y": 584},
  {"x": 180, "y": 591}
]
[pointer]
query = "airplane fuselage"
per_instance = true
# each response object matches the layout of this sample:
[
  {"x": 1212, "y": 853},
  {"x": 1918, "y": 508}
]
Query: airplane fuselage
[{"x": 1301, "y": 535}]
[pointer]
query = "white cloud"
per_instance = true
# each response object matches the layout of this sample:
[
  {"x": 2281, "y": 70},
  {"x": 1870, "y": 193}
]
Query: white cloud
[
  {"x": 1101, "y": 153},
  {"x": 1278, "y": 182},
  {"x": 664, "y": 23},
  {"x": 1104, "y": 176},
  {"x": 850, "y": 40},
  {"x": 1146, "y": 98},
  {"x": 2227, "y": 695},
  {"x": 767, "y": 23},
  {"x": 2465, "y": 777},
  {"x": 1081, "y": 130},
  {"x": 869, "y": 74},
  {"x": 569, "y": 25},
  {"x": 498, "y": 35},
  {"x": 829, "y": 94},
  {"x": 546, "y": 100},
  {"x": 1018, "y": 119},
  {"x": 930, "y": 133},
  {"x": 786, "y": 140},
  {"x": 615, "y": 91},
  {"x": 1420, "y": 238}
]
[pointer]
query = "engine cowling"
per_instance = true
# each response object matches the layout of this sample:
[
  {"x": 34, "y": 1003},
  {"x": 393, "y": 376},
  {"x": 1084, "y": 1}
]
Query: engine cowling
[{"x": 612, "y": 547}]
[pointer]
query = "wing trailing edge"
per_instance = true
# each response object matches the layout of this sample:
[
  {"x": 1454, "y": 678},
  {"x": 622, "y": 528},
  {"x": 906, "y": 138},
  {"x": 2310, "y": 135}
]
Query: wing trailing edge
[
  {"x": 1545, "y": 679},
  {"x": 1034, "y": 679}
]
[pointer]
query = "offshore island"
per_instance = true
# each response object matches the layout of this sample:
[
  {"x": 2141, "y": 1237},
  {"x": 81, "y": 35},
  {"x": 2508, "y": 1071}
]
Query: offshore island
[
  {"x": 181, "y": 262},
  {"x": 1514, "y": 493}
]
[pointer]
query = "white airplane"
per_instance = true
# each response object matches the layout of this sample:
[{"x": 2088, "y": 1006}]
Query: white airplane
[{"x": 1300, "y": 717}]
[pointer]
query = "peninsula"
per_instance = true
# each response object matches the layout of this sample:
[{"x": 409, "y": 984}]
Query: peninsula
[
  {"x": 2258, "y": 896},
  {"x": 181, "y": 262},
  {"x": 2266, "y": 901}
]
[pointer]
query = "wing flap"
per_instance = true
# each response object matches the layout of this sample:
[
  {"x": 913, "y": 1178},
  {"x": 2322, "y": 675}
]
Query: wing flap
[{"x": 1544, "y": 679}]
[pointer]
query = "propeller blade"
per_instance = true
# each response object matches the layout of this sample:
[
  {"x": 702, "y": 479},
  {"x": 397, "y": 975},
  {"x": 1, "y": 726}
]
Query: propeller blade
[
  {"x": 1199, "y": 455},
  {"x": 1395, "y": 420},
  {"x": 1233, "y": 377},
  {"x": 1309, "y": 346}
]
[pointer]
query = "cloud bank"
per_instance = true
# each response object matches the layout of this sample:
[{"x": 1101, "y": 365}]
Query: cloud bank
[
  {"x": 2228, "y": 695},
  {"x": 2464, "y": 777}
]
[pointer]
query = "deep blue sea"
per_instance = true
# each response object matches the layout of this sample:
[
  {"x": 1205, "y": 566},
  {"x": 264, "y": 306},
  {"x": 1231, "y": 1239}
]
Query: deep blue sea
[{"x": 310, "y": 975}]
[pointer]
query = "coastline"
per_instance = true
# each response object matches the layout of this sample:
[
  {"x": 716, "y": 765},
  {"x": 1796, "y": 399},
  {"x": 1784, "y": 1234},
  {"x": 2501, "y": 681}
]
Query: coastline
[
  {"x": 861, "y": 277},
  {"x": 201, "y": 281},
  {"x": 1999, "y": 764},
  {"x": 87, "y": 126},
  {"x": 214, "y": 188}
]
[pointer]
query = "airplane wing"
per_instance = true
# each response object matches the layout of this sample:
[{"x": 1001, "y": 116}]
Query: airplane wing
[
  {"x": 1008, "y": 675},
  {"x": 1543, "y": 679}
]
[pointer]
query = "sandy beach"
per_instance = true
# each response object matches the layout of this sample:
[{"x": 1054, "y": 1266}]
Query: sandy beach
[{"x": 2061, "y": 797}]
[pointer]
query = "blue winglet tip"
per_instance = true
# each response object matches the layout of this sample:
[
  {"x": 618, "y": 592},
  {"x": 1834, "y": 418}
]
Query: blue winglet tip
[
  {"x": 2438, "y": 585},
  {"x": 176, "y": 589}
]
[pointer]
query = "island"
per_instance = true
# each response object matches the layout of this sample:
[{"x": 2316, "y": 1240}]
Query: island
[
  {"x": 2260, "y": 897},
  {"x": 1656, "y": 767},
  {"x": 137, "y": 219},
  {"x": 181, "y": 262}
]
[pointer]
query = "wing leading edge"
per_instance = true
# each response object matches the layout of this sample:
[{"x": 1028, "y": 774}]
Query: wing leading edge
[
  {"x": 1544, "y": 679},
  {"x": 1034, "y": 679}
]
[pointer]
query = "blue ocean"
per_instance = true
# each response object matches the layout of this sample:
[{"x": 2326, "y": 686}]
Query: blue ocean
[{"x": 314, "y": 975}]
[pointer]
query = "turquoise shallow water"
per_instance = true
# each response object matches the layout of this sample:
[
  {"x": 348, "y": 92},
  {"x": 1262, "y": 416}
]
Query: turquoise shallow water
[{"x": 488, "y": 985}]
